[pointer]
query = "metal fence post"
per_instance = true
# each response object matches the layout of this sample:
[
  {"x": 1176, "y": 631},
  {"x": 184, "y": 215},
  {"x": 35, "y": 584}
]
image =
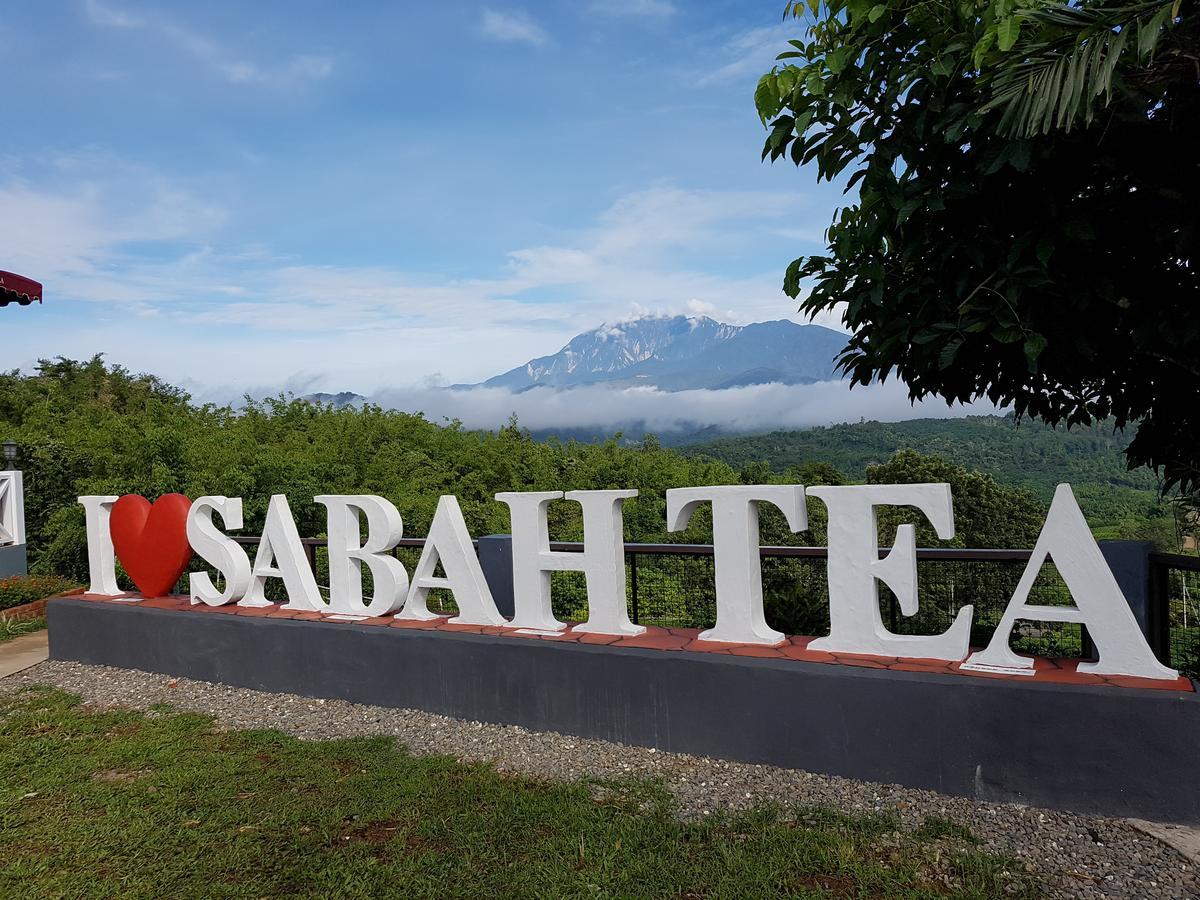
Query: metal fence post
[
  {"x": 1130, "y": 565},
  {"x": 1159, "y": 621},
  {"x": 495, "y": 558},
  {"x": 633, "y": 589}
]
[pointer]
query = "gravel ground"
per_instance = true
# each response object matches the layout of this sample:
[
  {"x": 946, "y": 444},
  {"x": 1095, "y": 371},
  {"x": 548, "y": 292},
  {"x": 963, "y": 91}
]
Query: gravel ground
[{"x": 1073, "y": 855}]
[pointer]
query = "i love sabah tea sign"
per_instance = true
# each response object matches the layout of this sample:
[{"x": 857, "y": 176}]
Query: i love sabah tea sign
[{"x": 155, "y": 544}]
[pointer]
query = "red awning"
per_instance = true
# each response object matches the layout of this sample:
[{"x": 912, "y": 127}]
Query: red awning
[{"x": 18, "y": 289}]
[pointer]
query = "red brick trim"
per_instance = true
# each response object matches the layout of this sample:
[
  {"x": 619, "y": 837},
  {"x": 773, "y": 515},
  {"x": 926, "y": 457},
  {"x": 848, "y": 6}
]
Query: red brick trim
[
  {"x": 27, "y": 611},
  {"x": 1046, "y": 671}
]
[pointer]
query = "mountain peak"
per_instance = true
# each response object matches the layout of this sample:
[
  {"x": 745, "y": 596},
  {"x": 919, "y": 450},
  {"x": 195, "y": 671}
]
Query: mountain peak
[{"x": 684, "y": 352}]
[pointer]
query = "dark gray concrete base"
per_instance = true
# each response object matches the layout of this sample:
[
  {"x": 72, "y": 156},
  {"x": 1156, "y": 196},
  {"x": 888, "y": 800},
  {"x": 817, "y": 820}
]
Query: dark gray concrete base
[
  {"x": 1109, "y": 751},
  {"x": 13, "y": 561}
]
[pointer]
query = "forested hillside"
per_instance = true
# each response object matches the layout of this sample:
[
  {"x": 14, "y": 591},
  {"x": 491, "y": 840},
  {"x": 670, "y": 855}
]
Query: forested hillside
[
  {"x": 85, "y": 428},
  {"x": 1118, "y": 502}
]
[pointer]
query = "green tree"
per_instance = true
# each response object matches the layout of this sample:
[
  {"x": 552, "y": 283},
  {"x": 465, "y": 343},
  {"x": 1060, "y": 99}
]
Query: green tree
[
  {"x": 88, "y": 428},
  {"x": 1025, "y": 227},
  {"x": 986, "y": 514}
]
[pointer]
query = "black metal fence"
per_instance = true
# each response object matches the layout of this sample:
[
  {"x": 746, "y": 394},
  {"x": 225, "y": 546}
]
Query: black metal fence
[
  {"x": 1175, "y": 610},
  {"x": 672, "y": 585}
]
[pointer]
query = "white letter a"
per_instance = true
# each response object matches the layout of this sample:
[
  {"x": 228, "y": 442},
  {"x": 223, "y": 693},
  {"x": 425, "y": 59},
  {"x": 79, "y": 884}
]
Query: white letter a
[{"x": 1099, "y": 603}]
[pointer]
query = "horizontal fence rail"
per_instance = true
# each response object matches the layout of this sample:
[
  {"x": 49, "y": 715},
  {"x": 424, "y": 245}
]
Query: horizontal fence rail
[{"x": 804, "y": 552}]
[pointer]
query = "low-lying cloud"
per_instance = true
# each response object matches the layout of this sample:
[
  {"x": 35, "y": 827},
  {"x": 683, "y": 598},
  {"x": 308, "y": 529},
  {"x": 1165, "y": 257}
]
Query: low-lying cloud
[{"x": 752, "y": 408}]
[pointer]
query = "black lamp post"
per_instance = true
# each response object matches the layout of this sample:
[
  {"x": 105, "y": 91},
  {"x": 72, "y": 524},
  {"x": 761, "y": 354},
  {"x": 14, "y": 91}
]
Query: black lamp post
[{"x": 10, "y": 454}]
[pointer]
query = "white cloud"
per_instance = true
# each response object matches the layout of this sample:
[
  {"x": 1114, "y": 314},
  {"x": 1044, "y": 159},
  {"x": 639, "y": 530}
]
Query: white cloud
[
  {"x": 126, "y": 240},
  {"x": 512, "y": 26},
  {"x": 756, "y": 407},
  {"x": 552, "y": 265},
  {"x": 623, "y": 263},
  {"x": 646, "y": 9},
  {"x": 748, "y": 55},
  {"x": 111, "y": 17},
  {"x": 297, "y": 69},
  {"x": 76, "y": 236},
  {"x": 647, "y": 222}
]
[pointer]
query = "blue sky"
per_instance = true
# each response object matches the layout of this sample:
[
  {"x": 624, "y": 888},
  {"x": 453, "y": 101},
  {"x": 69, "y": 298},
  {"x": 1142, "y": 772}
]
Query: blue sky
[{"x": 366, "y": 195}]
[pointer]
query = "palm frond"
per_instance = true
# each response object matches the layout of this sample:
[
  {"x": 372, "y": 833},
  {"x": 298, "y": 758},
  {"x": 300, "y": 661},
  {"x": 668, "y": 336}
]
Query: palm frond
[{"x": 1055, "y": 82}]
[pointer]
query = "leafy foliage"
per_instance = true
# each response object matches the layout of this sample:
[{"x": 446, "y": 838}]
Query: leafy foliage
[
  {"x": 18, "y": 589},
  {"x": 85, "y": 428},
  {"x": 981, "y": 505},
  {"x": 1025, "y": 227},
  {"x": 1118, "y": 502},
  {"x": 1071, "y": 61},
  {"x": 12, "y": 630}
]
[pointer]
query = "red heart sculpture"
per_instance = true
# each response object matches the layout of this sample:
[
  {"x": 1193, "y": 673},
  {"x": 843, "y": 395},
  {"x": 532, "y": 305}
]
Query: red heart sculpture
[{"x": 151, "y": 541}]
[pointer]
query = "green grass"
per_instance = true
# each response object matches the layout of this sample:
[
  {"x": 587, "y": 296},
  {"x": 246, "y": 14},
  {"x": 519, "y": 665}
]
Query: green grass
[
  {"x": 122, "y": 804},
  {"x": 10, "y": 630}
]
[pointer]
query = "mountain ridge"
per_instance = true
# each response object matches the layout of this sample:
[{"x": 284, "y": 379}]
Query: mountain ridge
[{"x": 675, "y": 353}]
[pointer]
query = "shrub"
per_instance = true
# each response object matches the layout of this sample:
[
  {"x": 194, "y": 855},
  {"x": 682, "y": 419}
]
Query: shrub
[{"x": 26, "y": 588}]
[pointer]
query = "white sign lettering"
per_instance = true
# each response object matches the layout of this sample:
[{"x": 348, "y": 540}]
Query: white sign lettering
[
  {"x": 740, "y": 617},
  {"x": 855, "y": 569},
  {"x": 12, "y": 509},
  {"x": 102, "y": 558},
  {"x": 1121, "y": 648},
  {"x": 450, "y": 543},
  {"x": 602, "y": 560},
  {"x": 281, "y": 555},
  {"x": 348, "y": 554},
  {"x": 218, "y": 550}
]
